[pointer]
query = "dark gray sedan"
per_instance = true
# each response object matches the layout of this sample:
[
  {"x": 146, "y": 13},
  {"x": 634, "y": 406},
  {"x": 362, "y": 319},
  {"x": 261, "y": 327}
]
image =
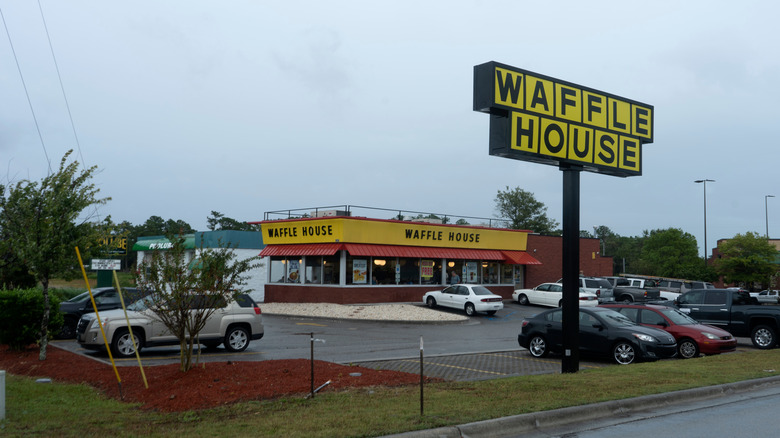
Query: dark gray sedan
[{"x": 603, "y": 332}]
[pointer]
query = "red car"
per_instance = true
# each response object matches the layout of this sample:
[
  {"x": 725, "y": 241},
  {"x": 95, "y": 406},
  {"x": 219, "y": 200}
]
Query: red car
[{"x": 692, "y": 337}]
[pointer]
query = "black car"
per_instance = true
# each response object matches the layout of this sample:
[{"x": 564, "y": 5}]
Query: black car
[
  {"x": 106, "y": 298},
  {"x": 603, "y": 332}
]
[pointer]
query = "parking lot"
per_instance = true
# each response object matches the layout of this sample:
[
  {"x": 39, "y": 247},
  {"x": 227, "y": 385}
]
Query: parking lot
[{"x": 484, "y": 347}]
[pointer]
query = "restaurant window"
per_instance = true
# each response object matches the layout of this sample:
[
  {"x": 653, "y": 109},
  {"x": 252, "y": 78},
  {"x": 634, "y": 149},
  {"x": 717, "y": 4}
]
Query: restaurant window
[
  {"x": 507, "y": 274},
  {"x": 491, "y": 272},
  {"x": 358, "y": 270},
  {"x": 383, "y": 270},
  {"x": 456, "y": 266},
  {"x": 314, "y": 270},
  {"x": 409, "y": 271},
  {"x": 430, "y": 271},
  {"x": 285, "y": 270},
  {"x": 471, "y": 272},
  {"x": 330, "y": 269}
]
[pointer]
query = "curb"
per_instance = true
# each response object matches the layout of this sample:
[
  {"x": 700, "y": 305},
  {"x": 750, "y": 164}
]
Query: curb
[{"x": 533, "y": 422}]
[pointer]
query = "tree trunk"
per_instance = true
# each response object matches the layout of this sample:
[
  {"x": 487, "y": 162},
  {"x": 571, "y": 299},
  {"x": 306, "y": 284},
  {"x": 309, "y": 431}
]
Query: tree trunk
[{"x": 44, "y": 321}]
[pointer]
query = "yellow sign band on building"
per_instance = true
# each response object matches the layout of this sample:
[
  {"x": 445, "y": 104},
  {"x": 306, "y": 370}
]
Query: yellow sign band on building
[
  {"x": 367, "y": 231},
  {"x": 546, "y": 120}
]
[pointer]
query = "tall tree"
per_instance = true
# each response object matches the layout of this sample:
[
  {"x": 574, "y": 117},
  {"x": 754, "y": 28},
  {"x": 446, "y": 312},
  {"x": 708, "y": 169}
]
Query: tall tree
[
  {"x": 174, "y": 281},
  {"x": 746, "y": 259},
  {"x": 523, "y": 211},
  {"x": 218, "y": 221},
  {"x": 669, "y": 253},
  {"x": 45, "y": 222}
]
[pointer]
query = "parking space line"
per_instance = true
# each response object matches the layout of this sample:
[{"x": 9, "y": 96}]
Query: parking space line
[{"x": 454, "y": 366}]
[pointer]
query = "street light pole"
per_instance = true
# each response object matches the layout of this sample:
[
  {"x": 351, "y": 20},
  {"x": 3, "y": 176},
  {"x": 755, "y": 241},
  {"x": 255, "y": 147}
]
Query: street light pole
[
  {"x": 705, "y": 181},
  {"x": 766, "y": 210}
]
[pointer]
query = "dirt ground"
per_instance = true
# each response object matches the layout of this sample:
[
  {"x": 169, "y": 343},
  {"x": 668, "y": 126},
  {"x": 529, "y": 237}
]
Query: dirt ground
[{"x": 203, "y": 387}]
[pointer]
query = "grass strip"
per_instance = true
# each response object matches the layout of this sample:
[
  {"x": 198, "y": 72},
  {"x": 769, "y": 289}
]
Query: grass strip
[{"x": 78, "y": 410}]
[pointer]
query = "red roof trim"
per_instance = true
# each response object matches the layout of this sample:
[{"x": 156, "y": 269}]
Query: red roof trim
[
  {"x": 305, "y": 249},
  {"x": 520, "y": 258}
]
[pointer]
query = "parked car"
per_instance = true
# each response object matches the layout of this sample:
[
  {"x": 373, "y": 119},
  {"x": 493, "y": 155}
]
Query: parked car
[
  {"x": 602, "y": 332},
  {"x": 468, "y": 297},
  {"x": 106, "y": 298},
  {"x": 598, "y": 286},
  {"x": 629, "y": 290},
  {"x": 233, "y": 324},
  {"x": 551, "y": 294},
  {"x": 766, "y": 297},
  {"x": 692, "y": 337}
]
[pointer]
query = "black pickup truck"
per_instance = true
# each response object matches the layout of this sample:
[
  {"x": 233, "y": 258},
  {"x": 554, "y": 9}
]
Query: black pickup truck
[{"x": 735, "y": 311}]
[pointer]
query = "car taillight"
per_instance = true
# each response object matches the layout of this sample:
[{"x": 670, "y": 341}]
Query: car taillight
[
  {"x": 257, "y": 310},
  {"x": 598, "y": 292},
  {"x": 586, "y": 298},
  {"x": 525, "y": 323}
]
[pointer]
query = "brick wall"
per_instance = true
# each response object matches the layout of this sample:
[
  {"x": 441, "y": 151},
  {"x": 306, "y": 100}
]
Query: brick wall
[{"x": 549, "y": 250}]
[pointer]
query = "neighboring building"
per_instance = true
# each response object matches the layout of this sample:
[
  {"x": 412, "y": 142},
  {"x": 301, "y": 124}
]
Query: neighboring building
[
  {"x": 362, "y": 260},
  {"x": 245, "y": 244}
]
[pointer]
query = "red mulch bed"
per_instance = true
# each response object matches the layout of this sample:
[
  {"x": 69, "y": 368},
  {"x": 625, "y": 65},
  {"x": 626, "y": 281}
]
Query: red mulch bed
[{"x": 216, "y": 384}]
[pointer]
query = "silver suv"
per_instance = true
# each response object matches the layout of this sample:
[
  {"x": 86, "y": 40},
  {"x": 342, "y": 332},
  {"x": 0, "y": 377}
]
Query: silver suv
[
  {"x": 233, "y": 324},
  {"x": 598, "y": 286}
]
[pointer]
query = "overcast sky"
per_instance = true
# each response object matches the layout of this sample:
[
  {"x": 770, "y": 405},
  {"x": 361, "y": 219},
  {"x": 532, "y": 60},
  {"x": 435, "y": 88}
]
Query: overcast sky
[{"x": 245, "y": 107}]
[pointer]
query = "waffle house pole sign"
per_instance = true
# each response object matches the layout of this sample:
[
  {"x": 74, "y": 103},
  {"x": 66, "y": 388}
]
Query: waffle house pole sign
[{"x": 546, "y": 120}]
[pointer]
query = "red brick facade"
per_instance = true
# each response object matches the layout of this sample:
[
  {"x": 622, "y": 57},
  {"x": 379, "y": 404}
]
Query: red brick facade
[{"x": 549, "y": 250}]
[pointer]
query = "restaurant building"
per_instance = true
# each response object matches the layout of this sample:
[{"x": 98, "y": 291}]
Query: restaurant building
[{"x": 349, "y": 259}]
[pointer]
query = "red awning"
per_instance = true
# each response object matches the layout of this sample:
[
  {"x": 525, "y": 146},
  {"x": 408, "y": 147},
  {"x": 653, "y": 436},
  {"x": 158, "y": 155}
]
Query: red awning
[
  {"x": 357, "y": 249},
  {"x": 520, "y": 258},
  {"x": 306, "y": 249}
]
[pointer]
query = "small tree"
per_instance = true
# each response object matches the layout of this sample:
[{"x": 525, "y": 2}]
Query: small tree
[
  {"x": 185, "y": 293},
  {"x": 43, "y": 223},
  {"x": 523, "y": 211}
]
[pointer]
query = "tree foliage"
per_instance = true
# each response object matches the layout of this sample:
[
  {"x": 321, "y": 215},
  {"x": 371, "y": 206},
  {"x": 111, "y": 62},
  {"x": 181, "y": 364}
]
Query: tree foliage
[
  {"x": 746, "y": 259},
  {"x": 43, "y": 223},
  {"x": 669, "y": 253},
  {"x": 523, "y": 211},
  {"x": 218, "y": 221},
  {"x": 185, "y": 292}
]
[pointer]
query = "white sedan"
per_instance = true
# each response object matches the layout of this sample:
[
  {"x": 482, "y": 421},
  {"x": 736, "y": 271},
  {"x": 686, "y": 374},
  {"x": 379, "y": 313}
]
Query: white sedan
[
  {"x": 551, "y": 294},
  {"x": 469, "y": 297}
]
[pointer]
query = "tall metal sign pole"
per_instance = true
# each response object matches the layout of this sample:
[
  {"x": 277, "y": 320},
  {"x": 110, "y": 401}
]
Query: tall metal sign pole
[{"x": 549, "y": 121}]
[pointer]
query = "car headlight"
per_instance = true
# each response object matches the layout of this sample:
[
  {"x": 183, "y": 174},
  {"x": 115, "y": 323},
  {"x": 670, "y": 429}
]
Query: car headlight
[
  {"x": 94, "y": 323},
  {"x": 709, "y": 335},
  {"x": 646, "y": 338}
]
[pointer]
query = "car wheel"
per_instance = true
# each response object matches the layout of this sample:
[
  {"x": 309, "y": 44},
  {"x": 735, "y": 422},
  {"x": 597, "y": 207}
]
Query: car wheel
[
  {"x": 122, "y": 345},
  {"x": 538, "y": 347},
  {"x": 522, "y": 300},
  {"x": 491, "y": 312},
  {"x": 236, "y": 339},
  {"x": 763, "y": 337},
  {"x": 470, "y": 310},
  {"x": 68, "y": 329},
  {"x": 624, "y": 353},
  {"x": 431, "y": 302},
  {"x": 687, "y": 348},
  {"x": 626, "y": 299}
]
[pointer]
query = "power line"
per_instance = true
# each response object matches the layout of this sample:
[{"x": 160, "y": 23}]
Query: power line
[{"x": 24, "y": 85}]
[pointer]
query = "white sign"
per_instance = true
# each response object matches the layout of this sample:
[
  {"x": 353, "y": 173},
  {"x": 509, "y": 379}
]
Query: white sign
[{"x": 106, "y": 265}]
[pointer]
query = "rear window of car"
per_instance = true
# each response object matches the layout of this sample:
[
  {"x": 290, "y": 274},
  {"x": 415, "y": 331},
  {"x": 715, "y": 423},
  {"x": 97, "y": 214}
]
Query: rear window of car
[
  {"x": 245, "y": 301},
  {"x": 597, "y": 283},
  {"x": 479, "y": 290}
]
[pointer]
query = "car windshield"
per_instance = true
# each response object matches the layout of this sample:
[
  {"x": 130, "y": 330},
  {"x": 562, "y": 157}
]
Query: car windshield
[
  {"x": 615, "y": 319},
  {"x": 481, "y": 290},
  {"x": 79, "y": 298},
  {"x": 678, "y": 317}
]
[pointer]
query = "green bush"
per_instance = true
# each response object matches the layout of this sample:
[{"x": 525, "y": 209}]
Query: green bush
[{"x": 21, "y": 312}]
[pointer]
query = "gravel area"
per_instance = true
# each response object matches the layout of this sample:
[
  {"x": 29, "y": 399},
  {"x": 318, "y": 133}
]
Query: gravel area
[{"x": 375, "y": 312}]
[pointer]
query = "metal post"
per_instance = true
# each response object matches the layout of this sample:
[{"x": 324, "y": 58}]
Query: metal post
[
  {"x": 766, "y": 210},
  {"x": 705, "y": 181},
  {"x": 421, "y": 376},
  {"x": 312, "y": 363},
  {"x": 2, "y": 394},
  {"x": 571, "y": 269}
]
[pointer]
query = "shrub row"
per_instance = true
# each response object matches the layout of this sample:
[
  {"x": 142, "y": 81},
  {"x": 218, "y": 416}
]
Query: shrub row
[{"x": 21, "y": 313}]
